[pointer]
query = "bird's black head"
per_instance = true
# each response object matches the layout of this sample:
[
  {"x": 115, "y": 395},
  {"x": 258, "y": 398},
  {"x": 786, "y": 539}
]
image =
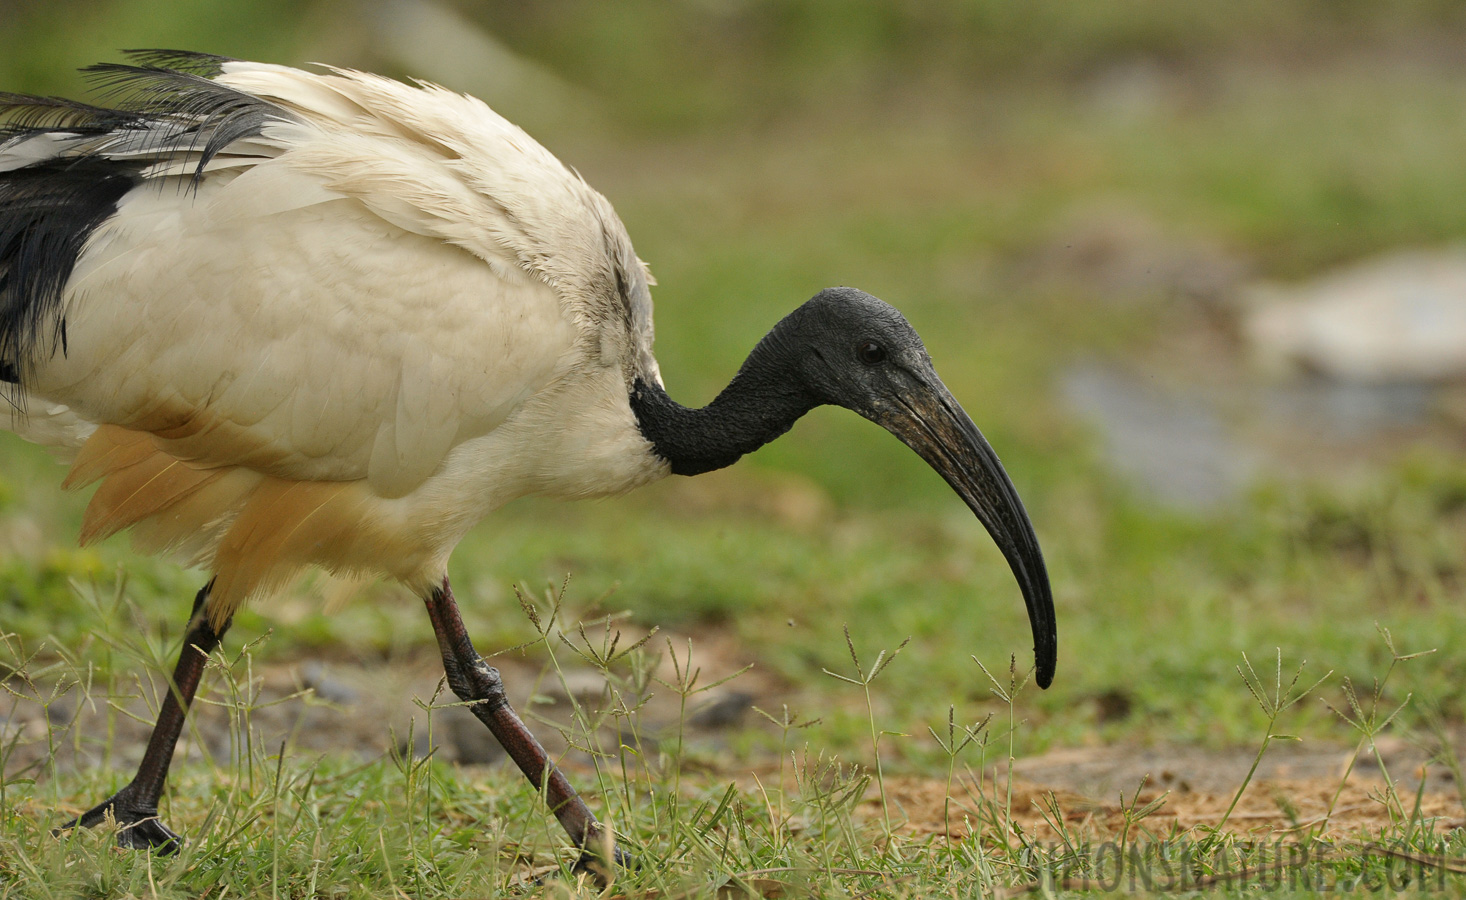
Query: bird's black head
[
  {"x": 851, "y": 349},
  {"x": 846, "y": 348}
]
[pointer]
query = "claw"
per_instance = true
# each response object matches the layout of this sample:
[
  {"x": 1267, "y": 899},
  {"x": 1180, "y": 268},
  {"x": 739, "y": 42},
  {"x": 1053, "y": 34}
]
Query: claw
[
  {"x": 595, "y": 864},
  {"x": 139, "y": 827},
  {"x": 149, "y": 834}
]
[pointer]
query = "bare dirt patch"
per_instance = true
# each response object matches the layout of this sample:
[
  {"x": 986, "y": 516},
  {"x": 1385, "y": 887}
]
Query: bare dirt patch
[
  {"x": 370, "y": 710},
  {"x": 1298, "y": 788},
  {"x": 1268, "y": 809}
]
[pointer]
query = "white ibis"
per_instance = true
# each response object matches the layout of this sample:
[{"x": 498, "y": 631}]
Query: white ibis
[{"x": 287, "y": 319}]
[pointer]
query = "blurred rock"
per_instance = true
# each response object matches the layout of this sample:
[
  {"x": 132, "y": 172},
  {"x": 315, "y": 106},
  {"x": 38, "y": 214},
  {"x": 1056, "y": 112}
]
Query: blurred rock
[
  {"x": 724, "y": 711},
  {"x": 471, "y": 741},
  {"x": 1132, "y": 89},
  {"x": 1398, "y": 318},
  {"x": 416, "y": 742},
  {"x": 637, "y": 739},
  {"x": 1394, "y": 752},
  {"x": 1121, "y": 254},
  {"x": 59, "y": 712},
  {"x": 585, "y": 685},
  {"x": 1113, "y": 705},
  {"x": 314, "y": 676},
  {"x": 1173, "y": 447},
  {"x": 1346, "y": 412}
]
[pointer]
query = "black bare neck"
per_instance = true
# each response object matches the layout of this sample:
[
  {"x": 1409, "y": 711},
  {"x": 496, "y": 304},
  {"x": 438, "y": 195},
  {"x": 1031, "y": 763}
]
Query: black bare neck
[{"x": 763, "y": 401}]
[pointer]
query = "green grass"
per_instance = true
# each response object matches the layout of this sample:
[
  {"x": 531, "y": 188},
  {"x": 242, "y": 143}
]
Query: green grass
[{"x": 265, "y": 822}]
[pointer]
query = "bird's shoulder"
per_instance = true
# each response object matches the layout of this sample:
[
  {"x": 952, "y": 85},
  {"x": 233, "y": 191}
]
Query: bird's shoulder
[
  {"x": 356, "y": 277},
  {"x": 445, "y": 165}
]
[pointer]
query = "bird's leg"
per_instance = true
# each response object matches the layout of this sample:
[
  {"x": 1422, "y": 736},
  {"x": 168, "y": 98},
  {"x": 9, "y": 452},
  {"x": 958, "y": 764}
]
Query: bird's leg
[
  {"x": 135, "y": 807},
  {"x": 474, "y": 680}
]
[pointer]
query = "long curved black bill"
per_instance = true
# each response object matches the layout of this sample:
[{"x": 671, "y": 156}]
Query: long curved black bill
[{"x": 928, "y": 420}]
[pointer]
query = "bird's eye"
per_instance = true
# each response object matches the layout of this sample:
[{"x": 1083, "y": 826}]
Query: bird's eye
[{"x": 870, "y": 352}]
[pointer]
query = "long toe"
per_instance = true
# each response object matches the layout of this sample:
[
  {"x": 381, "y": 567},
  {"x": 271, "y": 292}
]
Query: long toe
[
  {"x": 595, "y": 863},
  {"x": 138, "y": 825},
  {"x": 149, "y": 834}
]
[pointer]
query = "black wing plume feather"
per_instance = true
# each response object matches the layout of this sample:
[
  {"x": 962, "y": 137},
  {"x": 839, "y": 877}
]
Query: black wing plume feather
[{"x": 65, "y": 165}]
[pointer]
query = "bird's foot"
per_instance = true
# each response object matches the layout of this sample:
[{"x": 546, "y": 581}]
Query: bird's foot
[
  {"x": 138, "y": 825},
  {"x": 595, "y": 864}
]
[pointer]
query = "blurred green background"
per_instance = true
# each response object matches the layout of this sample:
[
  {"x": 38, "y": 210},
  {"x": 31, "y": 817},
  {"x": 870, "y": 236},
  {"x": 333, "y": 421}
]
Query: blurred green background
[{"x": 1073, "y": 203}]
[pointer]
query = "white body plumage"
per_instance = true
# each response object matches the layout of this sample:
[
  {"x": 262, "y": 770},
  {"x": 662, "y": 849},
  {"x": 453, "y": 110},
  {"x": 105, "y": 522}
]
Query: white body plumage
[{"x": 342, "y": 339}]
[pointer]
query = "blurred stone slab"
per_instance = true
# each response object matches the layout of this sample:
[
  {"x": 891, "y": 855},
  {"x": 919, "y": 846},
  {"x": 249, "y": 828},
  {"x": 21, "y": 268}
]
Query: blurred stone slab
[
  {"x": 1345, "y": 412},
  {"x": 1397, "y": 318},
  {"x": 1174, "y": 448},
  {"x": 1195, "y": 446}
]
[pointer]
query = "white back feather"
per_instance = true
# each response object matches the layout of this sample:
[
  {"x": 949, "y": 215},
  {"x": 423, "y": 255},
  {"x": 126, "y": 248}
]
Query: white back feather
[{"x": 302, "y": 310}]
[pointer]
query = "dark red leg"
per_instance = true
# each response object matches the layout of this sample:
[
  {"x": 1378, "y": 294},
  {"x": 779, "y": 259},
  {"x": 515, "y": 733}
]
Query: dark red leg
[
  {"x": 474, "y": 680},
  {"x": 135, "y": 807}
]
